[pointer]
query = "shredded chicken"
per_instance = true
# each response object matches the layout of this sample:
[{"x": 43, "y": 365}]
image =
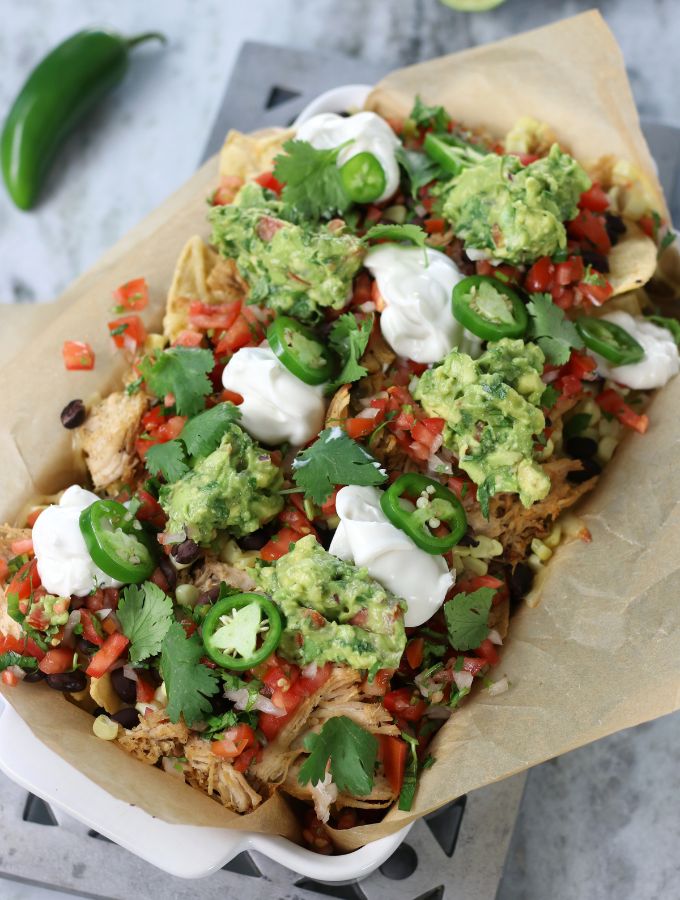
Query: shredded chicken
[
  {"x": 380, "y": 797},
  {"x": 347, "y": 700},
  {"x": 215, "y": 775},
  {"x": 338, "y": 408},
  {"x": 8, "y": 535},
  {"x": 212, "y": 571},
  {"x": 108, "y": 437},
  {"x": 154, "y": 737},
  {"x": 499, "y": 618},
  {"x": 379, "y": 355},
  {"x": 515, "y": 526}
]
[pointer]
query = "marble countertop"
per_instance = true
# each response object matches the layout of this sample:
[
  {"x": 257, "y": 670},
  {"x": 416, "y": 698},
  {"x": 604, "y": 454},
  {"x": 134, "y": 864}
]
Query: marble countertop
[{"x": 599, "y": 822}]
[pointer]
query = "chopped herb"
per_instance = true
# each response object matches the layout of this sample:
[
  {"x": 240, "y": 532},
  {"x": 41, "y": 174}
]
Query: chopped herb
[
  {"x": 549, "y": 397},
  {"x": 167, "y": 459},
  {"x": 673, "y": 325},
  {"x": 312, "y": 184},
  {"x": 188, "y": 682},
  {"x": 467, "y": 618},
  {"x": 134, "y": 386},
  {"x": 435, "y": 117},
  {"x": 412, "y": 233},
  {"x": 351, "y": 751},
  {"x": 334, "y": 459},
  {"x": 182, "y": 372},
  {"x": 119, "y": 329},
  {"x": 419, "y": 168},
  {"x": 202, "y": 434},
  {"x": 554, "y": 333},
  {"x": 349, "y": 338},
  {"x": 145, "y": 615}
]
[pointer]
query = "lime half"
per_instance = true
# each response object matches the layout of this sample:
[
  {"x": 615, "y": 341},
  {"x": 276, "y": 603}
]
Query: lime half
[{"x": 472, "y": 5}]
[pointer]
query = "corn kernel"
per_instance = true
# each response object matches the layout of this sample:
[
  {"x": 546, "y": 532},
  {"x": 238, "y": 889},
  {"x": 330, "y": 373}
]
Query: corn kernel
[
  {"x": 476, "y": 566},
  {"x": 542, "y": 551},
  {"x": 534, "y": 563},
  {"x": 187, "y": 594},
  {"x": 554, "y": 537},
  {"x": 105, "y": 729},
  {"x": 606, "y": 447}
]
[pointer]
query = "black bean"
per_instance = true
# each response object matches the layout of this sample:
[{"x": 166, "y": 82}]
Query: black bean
[
  {"x": 126, "y": 688},
  {"x": 32, "y": 677},
  {"x": 521, "y": 580},
  {"x": 468, "y": 540},
  {"x": 597, "y": 260},
  {"x": 86, "y": 647},
  {"x": 257, "y": 539},
  {"x": 209, "y": 596},
  {"x": 615, "y": 227},
  {"x": 69, "y": 682},
  {"x": 169, "y": 571},
  {"x": 128, "y": 717},
  {"x": 325, "y": 537},
  {"x": 589, "y": 468},
  {"x": 73, "y": 414},
  {"x": 186, "y": 552},
  {"x": 579, "y": 447}
]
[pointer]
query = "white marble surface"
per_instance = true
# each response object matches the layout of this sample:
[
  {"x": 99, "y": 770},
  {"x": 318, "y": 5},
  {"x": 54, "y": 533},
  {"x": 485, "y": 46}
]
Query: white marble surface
[{"x": 601, "y": 822}]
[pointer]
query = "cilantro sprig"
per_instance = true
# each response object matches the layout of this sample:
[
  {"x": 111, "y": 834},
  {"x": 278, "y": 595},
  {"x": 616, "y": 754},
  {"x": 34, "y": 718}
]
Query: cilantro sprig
[
  {"x": 419, "y": 168},
  {"x": 467, "y": 616},
  {"x": 12, "y": 658},
  {"x": 412, "y": 233},
  {"x": 145, "y": 615},
  {"x": 188, "y": 682},
  {"x": 182, "y": 372},
  {"x": 553, "y": 332},
  {"x": 312, "y": 183},
  {"x": 424, "y": 116},
  {"x": 349, "y": 338},
  {"x": 351, "y": 752},
  {"x": 334, "y": 459}
]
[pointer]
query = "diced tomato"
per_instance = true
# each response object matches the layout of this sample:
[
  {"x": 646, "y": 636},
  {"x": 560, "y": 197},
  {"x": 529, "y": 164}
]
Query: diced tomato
[
  {"x": 594, "y": 199},
  {"x": 154, "y": 418},
  {"x": 570, "y": 271},
  {"x": 4, "y": 571},
  {"x": 170, "y": 429},
  {"x": 328, "y": 508},
  {"x": 244, "y": 760},
  {"x": 488, "y": 652},
  {"x": 92, "y": 627},
  {"x": 23, "y": 546},
  {"x": 590, "y": 227},
  {"x": 246, "y": 330},
  {"x": 227, "y": 190},
  {"x": 405, "y": 704},
  {"x": 468, "y": 585},
  {"x": 102, "y": 598},
  {"x": 596, "y": 294},
  {"x": 648, "y": 225},
  {"x": 540, "y": 276},
  {"x": 569, "y": 385},
  {"x": 133, "y": 295},
  {"x": 359, "y": 428},
  {"x": 109, "y": 625},
  {"x": 362, "y": 289},
  {"x": 434, "y": 226},
  {"x": 297, "y": 520},
  {"x": 145, "y": 689},
  {"x": 234, "y": 742},
  {"x": 414, "y": 652},
  {"x": 580, "y": 365},
  {"x": 231, "y": 397},
  {"x": 393, "y": 752},
  {"x": 374, "y": 214},
  {"x": 113, "y": 647},
  {"x": 188, "y": 338},
  {"x": 563, "y": 297},
  {"x": 32, "y": 517},
  {"x": 9, "y": 678},
  {"x": 309, "y": 684},
  {"x": 25, "y": 581},
  {"x": 279, "y": 544},
  {"x": 472, "y": 665},
  {"x": 269, "y": 182},
  {"x": 78, "y": 356},
  {"x": 56, "y": 661},
  {"x": 127, "y": 332},
  {"x": 213, "y": 315},
  {"x": 150, "y": 511},
  {"x": 614, "y": 404}
]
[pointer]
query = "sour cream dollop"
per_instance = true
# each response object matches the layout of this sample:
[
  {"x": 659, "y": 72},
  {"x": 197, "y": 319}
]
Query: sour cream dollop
[
  {"x": 366, "y": 537},
  {"x": 416, "y": 286},
  {"x": 661, "y": 360},
  {"x": 276, "y": 406},
  {"x": 367, "y": 133},
  {"x": 64, "y": 564}
]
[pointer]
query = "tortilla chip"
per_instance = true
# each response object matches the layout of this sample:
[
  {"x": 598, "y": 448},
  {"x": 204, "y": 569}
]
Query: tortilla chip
[
  {"x": 632, "y": 262},
  {"x": 247, "y": 155},
  {"x": 103, "y": 694},
  {"x": 189, "y": 283}
]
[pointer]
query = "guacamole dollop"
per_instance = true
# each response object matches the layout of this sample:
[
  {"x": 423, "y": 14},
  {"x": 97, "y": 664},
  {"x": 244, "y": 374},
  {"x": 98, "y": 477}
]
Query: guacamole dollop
[
  {"x": 492, "y": 413},
  {"x": 235, "y": 488},
  {"x": 335, "y": 612},
  {"x": 294, "y": 268},
  {"x": 516, "y": 212}
]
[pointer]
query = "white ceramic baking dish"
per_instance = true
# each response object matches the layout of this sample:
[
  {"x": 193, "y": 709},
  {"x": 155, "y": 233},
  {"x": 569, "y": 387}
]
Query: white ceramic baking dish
[{"x": 184, "y": 851}]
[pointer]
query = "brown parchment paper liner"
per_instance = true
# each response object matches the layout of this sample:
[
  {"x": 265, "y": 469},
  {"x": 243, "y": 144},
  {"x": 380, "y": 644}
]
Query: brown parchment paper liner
[{"x": 602, "y": 651}]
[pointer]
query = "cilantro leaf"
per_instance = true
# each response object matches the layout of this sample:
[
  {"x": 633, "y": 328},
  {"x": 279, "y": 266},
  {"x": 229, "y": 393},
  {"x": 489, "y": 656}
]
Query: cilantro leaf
[
  {"x": 349, "y": 339},
  {"x": 167, "y": 459},
  {"x": 553, "y": 332},
  {"x": 673, "y": 325},
  {"x": 419, "y": 168},
  {"x": 352, "y": 752},
  {"x": 333, "y": 459},
  {"x": 145, "y": 615},
  {"x": 424, "y": 116},
  {"x": 12, "y": 658},
  {"x": 202, "y": 434},
  {"x": 188, "y": 682},
  {"x": 312, "y": 183},
  {"x": 182, "y": 372},
  {"x": 549, "y": 397},
  {"x": 466, "y": 618},
  {"x": 412, "y": 233},
  {"x": 666, "y": 241}
]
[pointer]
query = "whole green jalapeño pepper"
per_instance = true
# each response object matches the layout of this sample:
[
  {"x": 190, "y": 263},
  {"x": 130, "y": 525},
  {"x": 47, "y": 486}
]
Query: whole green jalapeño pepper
[
  {"x": 60, "y": 91},
  {"x": 434, "y": 505},
  {"x": 610, "y": 341},
  {"x": 234, "y": 626},
  {"x": 117, "y": 542},
  {"x": 363, "y": 178},
  {"x": 489, "y": 308},
  {"x": 300, "y": 351}
]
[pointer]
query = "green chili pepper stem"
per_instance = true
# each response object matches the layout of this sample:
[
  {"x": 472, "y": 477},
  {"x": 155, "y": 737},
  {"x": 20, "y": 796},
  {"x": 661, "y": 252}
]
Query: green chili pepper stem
[{"x": 147, "y": 36}]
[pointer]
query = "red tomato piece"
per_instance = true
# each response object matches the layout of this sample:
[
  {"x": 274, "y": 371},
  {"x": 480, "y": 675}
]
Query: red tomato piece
[
  {"x": 393, "y": 752},
  {"x": 414, "y": 652},
  {"x": 9, "y": 678},
  {"x": 56, "y": 661},
  {"x": 25, "y": 581},
  {"x": 113, "y": 647},
  {"x": 145, "y": 689},
  {"x": 213, "y": 315},
  {"x": 596, "y": 294},
  {"x": 589, "y": 227},
  {"x": 170, "y": 429},
  {"x": 128, "y": 332},
  {"x": 78, "y": 356},
  {"x": 234, "y": 742},
  {"x": 22, "y": 546},
  {"x": 540, "y": 276},
  {"x": 278, "y": 546},
  {"x": 359, "y": 428},
  {"x": 434, "y": 226},
  {"x": 269, "y": 182},
  {"x": 247, "y": 330},
  {"x": 150, "y": 511},
  {"x": 488, "y": 652},
  {"x": 614, "y": 404},
  {"x": 231, "y": 397},
  {"x": 92, "y": 627},
  {"x": 133, "y": 295},
  {"x": 570, "y": 271},
  {"x": 594, "y": 199},
  {"x": 244, "y": 760},
  {"x": 188, "y": 338},
  {"x": 4, "y": 571},
  {"x": 405, "y": 704}
]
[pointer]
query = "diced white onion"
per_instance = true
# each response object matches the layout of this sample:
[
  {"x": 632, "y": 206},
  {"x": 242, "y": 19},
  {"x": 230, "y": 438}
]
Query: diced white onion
[
  {"x": 177, "y": 538},
  {"x": 130, "y": 673},
  {"x": 172, "y": 767},
  {"x": 463, "y": 680},
  {"x": 499, "y": 687},
  {"x": 370, "y": 412},
  {"x": 17, "y": 671},
  {"x": 436, "y": 464},
  {"x": 241, "y": 698},
  {"x": 73, "y": 620},
  {"x": 495, "y": 637},
  {"x": 310, "y": 670},
  {"x": 367, "y": 307}
]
